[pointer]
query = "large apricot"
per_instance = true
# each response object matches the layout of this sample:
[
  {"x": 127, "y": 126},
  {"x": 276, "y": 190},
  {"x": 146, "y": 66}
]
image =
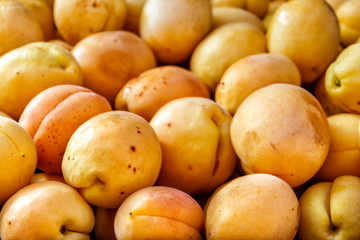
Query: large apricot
[{"x": 281, "y": 129}]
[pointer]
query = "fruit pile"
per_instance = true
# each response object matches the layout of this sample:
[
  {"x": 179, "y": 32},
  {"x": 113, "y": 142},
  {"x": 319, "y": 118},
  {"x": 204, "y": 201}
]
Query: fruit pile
[{"x": 179, "y": 119}]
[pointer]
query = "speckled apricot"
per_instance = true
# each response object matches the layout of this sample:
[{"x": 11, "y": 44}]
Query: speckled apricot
[{"x": 53, "y": 115}]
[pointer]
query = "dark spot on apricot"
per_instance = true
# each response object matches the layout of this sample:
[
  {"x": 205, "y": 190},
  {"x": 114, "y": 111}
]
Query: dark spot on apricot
[
  {"x": 129, "y": 166},
  {"x": 169, "y": 124},
  {"x": 190, "y": 167},
  {"x": 49, "y": 163},
  {"x": 138, "y": 131},
  {"x": 23, "y": 155},
  {"x": 94, "y": 4},
  {"x": 122, "y": 193},
  {"x": 130, "y": 213},
  {"x": 17, "y": 73},
  {"x": 132, "y": 148},
  {"x": 9, "y": 222},
  {"x": 134, "y": 170},
  {"x": 62, "y": 229}
]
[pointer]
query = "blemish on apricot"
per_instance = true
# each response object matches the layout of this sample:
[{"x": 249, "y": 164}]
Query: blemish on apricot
[
  {"x": 132, "y": 148},
  {"x": 134, "y": 170}
]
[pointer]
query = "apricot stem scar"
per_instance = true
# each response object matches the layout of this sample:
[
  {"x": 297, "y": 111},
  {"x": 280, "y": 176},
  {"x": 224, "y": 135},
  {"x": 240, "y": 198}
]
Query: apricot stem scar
[{"x": 337, "y": 82}]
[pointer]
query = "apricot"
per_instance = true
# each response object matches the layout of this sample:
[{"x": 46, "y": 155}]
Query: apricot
[
  {"x": 331, "y": 210},
  {"x": 154, "y": 88},
  {"x": 121, "y": 56},
  {"x": 46, "y": 210},
  {"x": 111, "y": 156},
  {"x": 159, "y": 213},
  {"x": 281, "y": 129},
  {"x": 194, "y": 134},
  {"x": 255, "y": 206},
  {"x": 77, "y": 19},
  {"x": 222, "y": 47},
  {"x": 53, "y": 115},
  {"x": 18, "y": 26},
  {"x": 32, "y": 68},
  {"x": 251, "y": 73},
  {"x": 344, "y": 153},
  {"x": 18, "y": 158},
  {"x": 173, "y": 28}
]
